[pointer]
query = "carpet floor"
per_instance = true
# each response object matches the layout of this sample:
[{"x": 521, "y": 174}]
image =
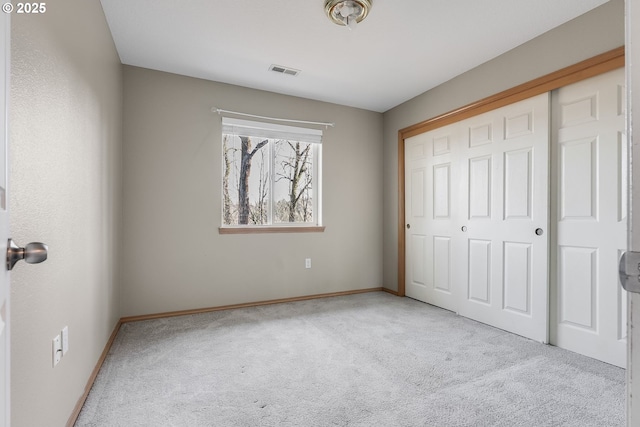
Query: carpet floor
[{"x": 361, "y": 360}]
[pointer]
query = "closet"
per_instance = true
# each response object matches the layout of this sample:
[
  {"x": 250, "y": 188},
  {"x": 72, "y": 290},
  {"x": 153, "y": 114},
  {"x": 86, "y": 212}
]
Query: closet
[{"x": 516, "y": 217}]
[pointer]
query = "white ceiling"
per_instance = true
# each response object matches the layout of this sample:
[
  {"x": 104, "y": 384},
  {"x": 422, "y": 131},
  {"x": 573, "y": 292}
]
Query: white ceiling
[{"x": 402, "y": 49}]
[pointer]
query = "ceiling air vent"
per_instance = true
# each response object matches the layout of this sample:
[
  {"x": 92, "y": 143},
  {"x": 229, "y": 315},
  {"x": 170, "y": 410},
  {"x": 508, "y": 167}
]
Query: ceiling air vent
[{"x": 284, "y": 70}]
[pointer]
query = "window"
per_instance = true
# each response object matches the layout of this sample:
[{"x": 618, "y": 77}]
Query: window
[{"x": 271, "y": 174}]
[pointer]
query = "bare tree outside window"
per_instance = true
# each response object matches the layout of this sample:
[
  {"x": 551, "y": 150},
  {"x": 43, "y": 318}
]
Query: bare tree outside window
[
  {"x": 226, "y": 198},
  {"x": 259, "y": 208},
  {"x": 246, "y": 155},
  {"x": 295, "y": 171}
]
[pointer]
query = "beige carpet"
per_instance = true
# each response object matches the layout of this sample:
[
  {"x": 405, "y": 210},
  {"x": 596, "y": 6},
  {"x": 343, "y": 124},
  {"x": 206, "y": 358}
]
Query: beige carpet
[{"x": 362, "y": 360}]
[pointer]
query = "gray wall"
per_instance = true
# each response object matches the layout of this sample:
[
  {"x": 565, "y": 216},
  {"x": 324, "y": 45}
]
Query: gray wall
[
  {"x": 173, "y": 256},
  {"x": 593, "y": 33},
  {"x": 65, "y": 168}
]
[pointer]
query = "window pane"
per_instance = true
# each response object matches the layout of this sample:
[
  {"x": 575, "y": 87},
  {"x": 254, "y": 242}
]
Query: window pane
[
  {"x": 293, "y": 182},
  {"x": 246, "y": 180}
]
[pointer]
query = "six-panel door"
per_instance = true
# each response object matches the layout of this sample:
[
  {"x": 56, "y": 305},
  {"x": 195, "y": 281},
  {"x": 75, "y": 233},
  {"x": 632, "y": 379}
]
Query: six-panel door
[{"x": 588, "y": 305}]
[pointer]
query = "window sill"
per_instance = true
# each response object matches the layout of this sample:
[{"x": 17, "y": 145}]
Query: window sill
[{"x": 268, "y": 229}]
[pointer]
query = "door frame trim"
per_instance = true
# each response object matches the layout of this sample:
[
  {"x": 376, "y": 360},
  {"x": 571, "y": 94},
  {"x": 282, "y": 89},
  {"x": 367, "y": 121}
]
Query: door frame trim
[{"x": 591, "y": 67}]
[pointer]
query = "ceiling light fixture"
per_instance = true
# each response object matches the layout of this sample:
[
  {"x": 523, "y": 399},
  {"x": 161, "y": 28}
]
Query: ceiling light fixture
[{"x": 347, "y": 12}]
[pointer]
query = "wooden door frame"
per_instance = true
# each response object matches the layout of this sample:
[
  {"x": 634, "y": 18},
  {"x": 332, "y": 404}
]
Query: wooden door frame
[{"x": 591, "y": 67}]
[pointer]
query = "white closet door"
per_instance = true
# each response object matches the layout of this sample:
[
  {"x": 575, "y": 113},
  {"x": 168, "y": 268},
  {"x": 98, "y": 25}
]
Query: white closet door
[
  {"x": 476, "y": 191},
  {"x": 588, "y": 304},
  {"x": 505, "y": 155},
  {"x": 431, "y": 180}
]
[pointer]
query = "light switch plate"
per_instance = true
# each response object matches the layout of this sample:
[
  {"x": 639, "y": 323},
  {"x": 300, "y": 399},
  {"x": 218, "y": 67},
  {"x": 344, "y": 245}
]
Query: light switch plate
[{"x": 57, "y": 350}]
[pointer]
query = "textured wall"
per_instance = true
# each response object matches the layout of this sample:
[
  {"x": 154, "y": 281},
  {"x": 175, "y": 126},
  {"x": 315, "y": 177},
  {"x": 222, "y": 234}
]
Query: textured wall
[
  {"x": 633, "y": 328},
  {"x": 173, "y": 256},
  {"x": 65, "y": 148},
  {"x": 595, "y": 32}
]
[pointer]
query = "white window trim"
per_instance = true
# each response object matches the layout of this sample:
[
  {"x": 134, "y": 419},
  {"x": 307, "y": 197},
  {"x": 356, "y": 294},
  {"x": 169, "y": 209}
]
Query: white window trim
[{"x": 280, "y": 132}]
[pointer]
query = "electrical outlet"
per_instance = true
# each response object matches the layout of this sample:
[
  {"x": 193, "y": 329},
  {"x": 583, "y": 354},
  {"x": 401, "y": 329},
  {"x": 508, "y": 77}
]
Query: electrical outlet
[
  {"x": 57, "y": 350},
  {"x": 65, "y": 340},
  {"x": 307, "y": 263}
]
